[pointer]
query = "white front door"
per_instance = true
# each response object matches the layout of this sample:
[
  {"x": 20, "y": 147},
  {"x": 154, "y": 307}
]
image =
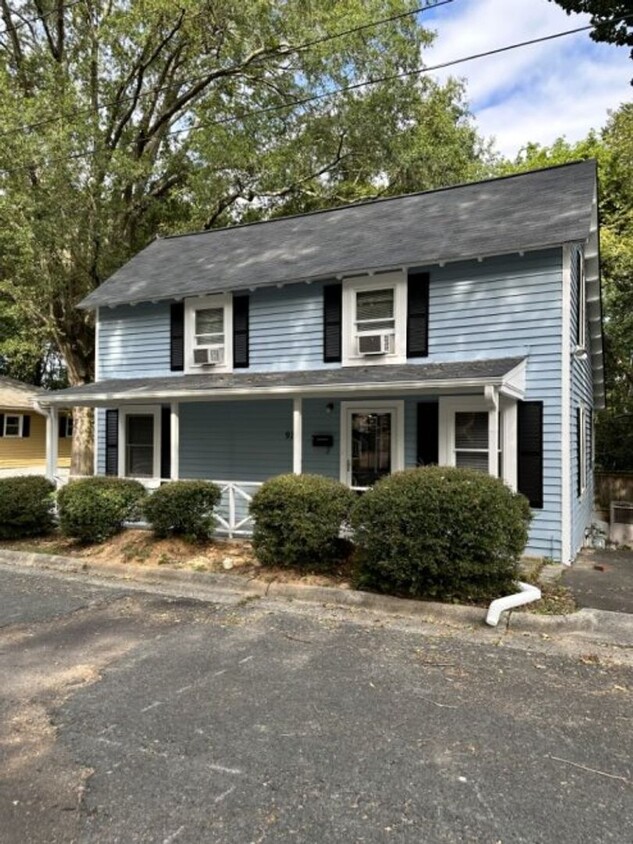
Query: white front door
[{"x": 372, "y": 442}]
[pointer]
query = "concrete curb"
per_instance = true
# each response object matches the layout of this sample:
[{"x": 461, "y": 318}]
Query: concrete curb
[{"x": 598, "y": 625}]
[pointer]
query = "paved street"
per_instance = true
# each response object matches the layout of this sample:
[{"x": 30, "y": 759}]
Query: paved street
[{"x": 131, "y": 716}]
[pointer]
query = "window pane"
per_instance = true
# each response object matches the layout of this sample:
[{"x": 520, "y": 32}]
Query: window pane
[
  {"x": 12, "y": 426},
  {"x": 140, "y": 430},
  {"x": 210, "y": 321},
  {"x": 472, "y": 460},
  {"x": 375, "y": 305},
  {"x": 471, "y": 430},
  {"x": 140, "y": 461}
]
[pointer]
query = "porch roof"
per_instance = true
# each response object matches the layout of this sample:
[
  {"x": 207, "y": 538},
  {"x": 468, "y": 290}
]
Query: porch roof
[{"x": 505, "y": 373}]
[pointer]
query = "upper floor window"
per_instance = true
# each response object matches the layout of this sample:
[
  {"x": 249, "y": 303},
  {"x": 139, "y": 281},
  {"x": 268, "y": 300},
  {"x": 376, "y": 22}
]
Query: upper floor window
[
  {"x": 374, "y": 319},
  {"x": 582, "y": 300},
  {"x": 208, "y": 334}
]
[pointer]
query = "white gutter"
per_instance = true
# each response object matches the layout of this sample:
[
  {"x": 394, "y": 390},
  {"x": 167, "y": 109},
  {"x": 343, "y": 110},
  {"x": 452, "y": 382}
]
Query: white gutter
[{"x": 527, "y": 594}]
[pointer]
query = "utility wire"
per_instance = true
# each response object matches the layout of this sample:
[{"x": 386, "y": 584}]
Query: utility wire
[
  {"x": 354, "y": 87},
  {"x": 157, "y": 90}
]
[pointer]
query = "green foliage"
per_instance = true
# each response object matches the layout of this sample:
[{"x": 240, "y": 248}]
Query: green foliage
[
  {"x": 183, "y": 507},
  {"x": 298, "y": 519},
  {"x": 440, "y": 532},
  {"x": 93, "y": 509},
  {"x": 26, "y": 506},
  {"x": 611, "y": 19}
]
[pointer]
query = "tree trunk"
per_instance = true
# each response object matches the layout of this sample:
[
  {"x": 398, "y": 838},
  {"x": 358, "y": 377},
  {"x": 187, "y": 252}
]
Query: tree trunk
[{"x": 82, "y": 455}]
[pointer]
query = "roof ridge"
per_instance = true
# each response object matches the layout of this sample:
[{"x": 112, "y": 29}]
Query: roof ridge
[{"x": 364, "y": 202}]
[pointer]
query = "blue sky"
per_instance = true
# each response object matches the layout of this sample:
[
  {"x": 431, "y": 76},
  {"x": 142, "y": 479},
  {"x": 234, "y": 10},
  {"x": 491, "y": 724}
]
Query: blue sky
[{"x": 537, "y": 93}]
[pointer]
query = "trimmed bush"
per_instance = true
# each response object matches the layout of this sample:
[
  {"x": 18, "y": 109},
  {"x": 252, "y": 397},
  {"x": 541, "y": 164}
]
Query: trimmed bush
[
  {"x": 440, "y": 532},
  {"x": 183, "y": 507},
  {"x": 26, "y": 506},
  {"x": 93, "y": 509},
  {"x": 298, "y": 519}
]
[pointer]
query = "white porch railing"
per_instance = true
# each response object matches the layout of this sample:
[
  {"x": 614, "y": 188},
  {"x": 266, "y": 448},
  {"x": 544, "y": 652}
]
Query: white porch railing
[{"x": 232, "y": 514}]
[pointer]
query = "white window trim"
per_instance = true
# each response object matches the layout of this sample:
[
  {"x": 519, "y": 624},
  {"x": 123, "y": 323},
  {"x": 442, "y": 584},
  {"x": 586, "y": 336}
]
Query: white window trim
[
  {"x": 582, "y": 451},
  {"x": 397, "y": 439},
  {"x": 582, "y": 302},
  {"x": 220, "y": 300},
  {"x": 20, "y": 418},
  {"x": 139, "y": 410},
  {"x": 382, "y": 281},
  {"x": 450, "y": 405}
]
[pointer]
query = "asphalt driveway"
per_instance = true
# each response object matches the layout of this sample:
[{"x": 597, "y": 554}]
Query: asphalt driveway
[{"x": 136, "y": 717}]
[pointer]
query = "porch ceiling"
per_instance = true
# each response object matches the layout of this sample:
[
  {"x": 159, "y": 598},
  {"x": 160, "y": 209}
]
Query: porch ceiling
[{"x": 474, "y": 374}]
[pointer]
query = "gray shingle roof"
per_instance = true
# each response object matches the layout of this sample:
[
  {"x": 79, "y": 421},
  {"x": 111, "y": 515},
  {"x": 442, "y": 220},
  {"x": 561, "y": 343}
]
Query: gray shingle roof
[
  {"x": 494, "y": 217},
  {"x": 195, "y": 386}
]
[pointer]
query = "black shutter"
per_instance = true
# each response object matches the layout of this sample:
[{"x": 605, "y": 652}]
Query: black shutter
[
  {"x": 530, "y": 451},
  {"x": 578, "y": 296},
  {"x": 177, "y": 343},
  {"x": 332, "y": 322},
  {"x": 112, "y": 442},
  {"x": 26, "y": 426},
  {"x": 579, "y": 434},
  {"x": 428, "y": 433},
  {"x": 1, "y": 424},
  {"x": 63, "y": 426},
  {"x": 165, "y": 442},
  {"x": 240, "y": 332},
  {"x": 417, "y": 315}
]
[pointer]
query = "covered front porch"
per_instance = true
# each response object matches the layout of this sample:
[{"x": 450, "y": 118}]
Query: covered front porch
[{"x": 239, "y": 430}]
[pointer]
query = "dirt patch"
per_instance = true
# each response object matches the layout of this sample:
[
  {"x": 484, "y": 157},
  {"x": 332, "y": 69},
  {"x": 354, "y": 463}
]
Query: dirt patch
[{"x": 140, "y": 548}]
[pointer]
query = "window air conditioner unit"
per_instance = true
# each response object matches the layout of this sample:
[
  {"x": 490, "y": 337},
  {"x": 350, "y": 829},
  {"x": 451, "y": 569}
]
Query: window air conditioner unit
[
  {"x": 621, "y": 526},
  {"x": 375, "y": 344},
  {"x": 208, "y": 355}
]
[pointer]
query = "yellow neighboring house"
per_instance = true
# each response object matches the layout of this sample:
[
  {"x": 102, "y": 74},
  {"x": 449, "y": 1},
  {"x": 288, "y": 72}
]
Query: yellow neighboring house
[{"x": 23, "y": 429}]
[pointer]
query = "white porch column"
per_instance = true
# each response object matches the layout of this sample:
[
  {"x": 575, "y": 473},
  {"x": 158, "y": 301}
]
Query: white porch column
[
  {"x": 297, "y": 435},
  {"x": 509, "y": 422},
  {"x": 175, "y": 441},
  {"x": 52, "y": 442},
  {"x": 492, "y": 400}
]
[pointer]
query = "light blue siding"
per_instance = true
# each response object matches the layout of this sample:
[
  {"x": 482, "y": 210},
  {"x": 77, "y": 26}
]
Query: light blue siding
[
  {"x": 581, "y": 394},
  {"x": 134, "y": 341},
  {"x": 503, "y": 306}
]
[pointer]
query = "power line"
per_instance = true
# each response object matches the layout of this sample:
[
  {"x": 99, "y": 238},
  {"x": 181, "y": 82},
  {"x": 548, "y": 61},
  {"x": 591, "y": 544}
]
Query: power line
[
  {"x": 26, "y": 21},
  {"x": 150, "y": 91},
  {"x": 353, "y": 87}
]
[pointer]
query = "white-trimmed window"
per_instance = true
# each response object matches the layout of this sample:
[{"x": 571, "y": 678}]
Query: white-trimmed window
[
  {"x": 582, "y": 449},
  {"x": 374, "y": 319},
  {"x": 13, "y": 425},
  {"x": 581, "y": 338},
  {"x": 209, "y": 334},
  {"x": 139, "y": 442}
]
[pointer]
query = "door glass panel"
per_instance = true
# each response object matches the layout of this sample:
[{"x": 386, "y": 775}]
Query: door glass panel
[
  {"x": 139, "y": 446},
  {"x": 371, "y": 447},
  {"x": 471, "y": 441}
]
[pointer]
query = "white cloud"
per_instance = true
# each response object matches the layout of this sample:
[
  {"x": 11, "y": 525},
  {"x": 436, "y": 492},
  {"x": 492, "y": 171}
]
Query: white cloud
[{"x": 536, "y": 93}]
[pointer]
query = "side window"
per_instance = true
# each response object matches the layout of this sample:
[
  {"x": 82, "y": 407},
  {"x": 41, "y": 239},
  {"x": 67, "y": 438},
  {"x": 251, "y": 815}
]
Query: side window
[{"x": 12, "y": 425}]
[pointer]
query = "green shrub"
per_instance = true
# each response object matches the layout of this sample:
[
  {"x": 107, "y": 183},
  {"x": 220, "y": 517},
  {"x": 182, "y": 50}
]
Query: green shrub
[
  {"x": 26, "y": 506},
  {"x": 298, "y": 520},
  {"x": 183, "y": 507},
  {"x": 93, "y": 509},
  {"x": 440, "y": 532}
]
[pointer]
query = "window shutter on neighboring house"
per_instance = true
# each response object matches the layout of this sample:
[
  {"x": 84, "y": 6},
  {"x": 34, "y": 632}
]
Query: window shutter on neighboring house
[
  {"x": 112, "y": 442},
  {"x": 165, "y": 442},
  {"x": 1, "y": 424},
  {"x": 530, "y": 451},
  {"x": 332, "y": 322},
  {"x": 579, "y": 434},
  {"x": 578, "y": 297},
  {"x": 417, "y": 315},
  {"x": 63, "y": 426},
  {"x": 26, "y": 425},
  {"x": 240, "y": 332},
  {"x": 177, "y": 337},
  {"x": 428, "y": 433}
]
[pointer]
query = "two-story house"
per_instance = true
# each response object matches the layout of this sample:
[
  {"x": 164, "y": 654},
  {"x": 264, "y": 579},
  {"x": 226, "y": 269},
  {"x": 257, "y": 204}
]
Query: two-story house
[{"x": 459, "y": 326}]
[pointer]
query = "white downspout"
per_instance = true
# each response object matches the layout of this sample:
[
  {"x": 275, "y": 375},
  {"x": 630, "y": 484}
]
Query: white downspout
[{"x": 527, "y": 594}]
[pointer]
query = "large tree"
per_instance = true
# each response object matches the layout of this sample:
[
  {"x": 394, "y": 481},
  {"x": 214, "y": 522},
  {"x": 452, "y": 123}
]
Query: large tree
[
  {"x": 613, "y": 150},
  {"x": 121, "y": 119}
]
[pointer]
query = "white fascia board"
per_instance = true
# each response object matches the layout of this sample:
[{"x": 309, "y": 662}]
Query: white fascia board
[{"x": 305, "y": 390}]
